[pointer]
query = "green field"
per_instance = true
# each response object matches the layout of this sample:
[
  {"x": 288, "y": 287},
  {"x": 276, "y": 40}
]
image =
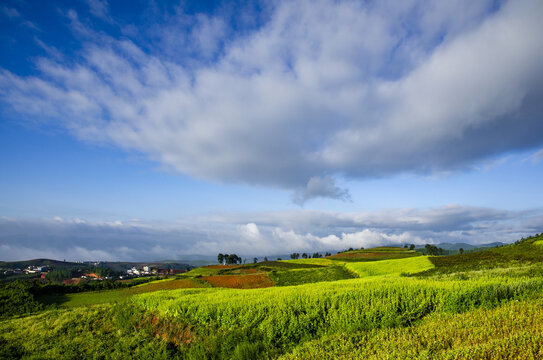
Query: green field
[
  {"x": 395, "y": 267},
  {"x": 486, "y": 305}
]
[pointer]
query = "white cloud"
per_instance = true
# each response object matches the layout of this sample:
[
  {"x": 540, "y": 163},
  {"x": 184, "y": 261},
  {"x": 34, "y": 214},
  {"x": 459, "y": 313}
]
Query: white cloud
[
  {"x": 323, "y": 89},
  {"x": 261, "y": 234},
  {"x": 100, "y": 9}
]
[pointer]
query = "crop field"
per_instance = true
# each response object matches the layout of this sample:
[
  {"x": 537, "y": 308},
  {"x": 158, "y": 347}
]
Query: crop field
[
  {"x": 304, "y": 276},
  {"x": 486, "y": 305},
  {"x": 250, "y": 281},
  {"x": 317, "y": 261},
  {"x": 376, "y": 254},
  {"x": 395, "y": 267}
]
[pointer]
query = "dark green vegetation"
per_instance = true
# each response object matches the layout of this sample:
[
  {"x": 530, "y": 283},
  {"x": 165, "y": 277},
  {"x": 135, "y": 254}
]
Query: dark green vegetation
[{"x": 374, "y": 303}]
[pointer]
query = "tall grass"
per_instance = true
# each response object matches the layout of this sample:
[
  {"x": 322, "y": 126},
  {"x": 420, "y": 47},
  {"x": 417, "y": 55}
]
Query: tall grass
[
  {"x": 286, "y": 316},
  {"x": 511, "y": 331}
]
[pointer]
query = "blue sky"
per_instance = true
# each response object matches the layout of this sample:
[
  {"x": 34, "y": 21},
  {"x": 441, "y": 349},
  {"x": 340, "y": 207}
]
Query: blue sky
[{"x": 153, "y": 130}]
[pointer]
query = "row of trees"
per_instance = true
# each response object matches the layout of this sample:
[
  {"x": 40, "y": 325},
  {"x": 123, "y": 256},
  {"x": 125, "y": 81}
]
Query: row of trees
[
  {"x": 229, "y": 259},
  {"x": 308, "y": 256}
]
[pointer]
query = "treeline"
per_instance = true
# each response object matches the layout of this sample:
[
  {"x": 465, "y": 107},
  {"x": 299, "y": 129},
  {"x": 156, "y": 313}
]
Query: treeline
[
  {"x": 315, "y": 255},
  {"x": 229, "y": 259}
]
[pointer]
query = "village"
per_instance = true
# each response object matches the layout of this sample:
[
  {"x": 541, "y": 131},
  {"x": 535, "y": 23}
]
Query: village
[{"x": 88, "y": 272}]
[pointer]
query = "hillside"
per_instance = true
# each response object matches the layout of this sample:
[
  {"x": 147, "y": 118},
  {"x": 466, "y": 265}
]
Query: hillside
[{"x": 372, "y": 303}]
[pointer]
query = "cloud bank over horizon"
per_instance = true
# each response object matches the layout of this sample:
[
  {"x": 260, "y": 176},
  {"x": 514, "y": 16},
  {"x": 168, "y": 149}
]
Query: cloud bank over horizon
[
  {"x": 260, "y": 234},
  {"x": 308, "y": 92}
]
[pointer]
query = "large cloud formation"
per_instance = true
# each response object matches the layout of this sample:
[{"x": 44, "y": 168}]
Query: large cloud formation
[
  {"x": 260, "y": 234},
  {"x": 318, "y": 89}
]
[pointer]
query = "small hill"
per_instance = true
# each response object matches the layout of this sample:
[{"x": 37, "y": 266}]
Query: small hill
[
  {"x": 525, "y": 251},
  {"x": 375, "y": 254},
  {"x": 38, "y": 262}
]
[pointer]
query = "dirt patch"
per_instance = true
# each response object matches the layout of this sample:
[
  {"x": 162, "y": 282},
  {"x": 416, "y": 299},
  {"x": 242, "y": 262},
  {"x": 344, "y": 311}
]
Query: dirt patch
[
  {"x": 174, "y": 332},
  {"x": 167, "y": 285},
  {"x": 243, "y": 271},
  {"x": 249, "y": 281}
]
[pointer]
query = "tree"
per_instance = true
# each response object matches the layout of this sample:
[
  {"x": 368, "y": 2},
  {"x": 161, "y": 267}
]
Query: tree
[
  {"x": 304, "y": 255},
  {"x": 233, "y": 259},
  {"x": 327, "y": 254},
  {"x": 220, "y": 258},
  {"x": 433, "y": 250},
  {"x": 295, "y": 255},
  {"x": 412, "y": 247},
  {"x": 255, "y": 260},
  {"x": 461, "y": 251},
  {"x": 405, "y": 246},
  {"x": 265, "y": 258}
]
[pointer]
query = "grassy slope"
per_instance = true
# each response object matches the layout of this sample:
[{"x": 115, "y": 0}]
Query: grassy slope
[
  {"x": 511, "y": 331},
  {"x": 523, "y": 252},
  {"x": 395, "y": 267},
  {"x": 375, "y": 254},
  {"x": 120, "y": 295},
  {"x": 101, "y": 332},
  {"x": 466, "y": 312},
  {"x": 305, "y": 276}
]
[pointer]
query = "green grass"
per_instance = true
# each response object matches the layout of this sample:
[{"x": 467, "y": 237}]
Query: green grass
[
  {"x": 202, "y": 271},
  {"x": 119, "y": 295},
  {"x": 393, "y": 267},
  {"x": 511, "y": 331},
  {"x": 317, "y": 261},
  {"x": 304, "y": 276},
  {"x": 283, "y": 317},
  {"x": 98, "y": 332}
]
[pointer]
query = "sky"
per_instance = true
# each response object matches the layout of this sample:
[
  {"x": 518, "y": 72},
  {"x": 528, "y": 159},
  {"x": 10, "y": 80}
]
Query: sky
[{"x": 152, "y": 130}]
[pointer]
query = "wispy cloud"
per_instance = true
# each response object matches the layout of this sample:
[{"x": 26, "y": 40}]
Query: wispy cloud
[
  {"x": 324, "y": 187},
  {"x": 100, "y": 9},
  {"x": 322, "y": 89},
  {"x": 10, "y": 12},
  {"x": 536, "y": 157}
]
